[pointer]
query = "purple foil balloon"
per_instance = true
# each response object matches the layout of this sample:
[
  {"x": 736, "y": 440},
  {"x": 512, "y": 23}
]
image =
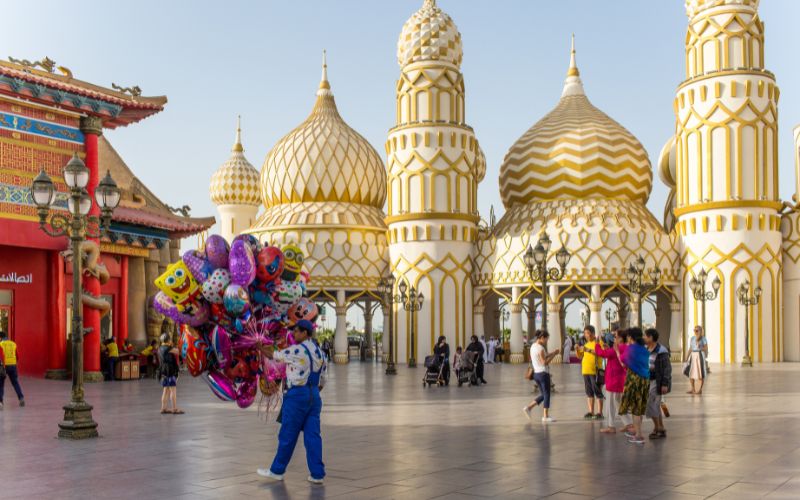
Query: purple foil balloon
[
  {"x": 197, "y": 264},
  {"x": 241, "y": 263},
  {"x": 217, "y": 252},
  {"x": 194, "y": 317},
  {"x": 246, "y": 393},
  {"x": 220, "y": 385},
  {"x": 220, "y": 343},
  {"x": 251, "y": 241}
]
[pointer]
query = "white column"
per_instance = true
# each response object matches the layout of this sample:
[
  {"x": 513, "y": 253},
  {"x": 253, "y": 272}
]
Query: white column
[
  {"x": 595, "y": 309},
  {"x": 517, "y": 345},
  {"x": 676, "y": 331},
  {"x": 633, "y": 314},
  {"x": 341, "y": 355},
  {"x": 477, "y": 322},
  {"x": 554, "y": 317}
]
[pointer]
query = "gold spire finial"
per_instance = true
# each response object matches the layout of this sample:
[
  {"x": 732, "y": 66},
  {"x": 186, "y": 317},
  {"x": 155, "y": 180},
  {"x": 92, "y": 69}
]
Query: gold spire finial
[
  {"x": 429, "y": 4},
  {"x": 237, "y": 146},
  {"x": 323, "y": 84},
  {"x": 573, "y": 67}
]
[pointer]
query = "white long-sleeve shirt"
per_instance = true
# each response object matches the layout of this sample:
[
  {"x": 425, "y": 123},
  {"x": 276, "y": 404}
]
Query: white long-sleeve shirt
[{"x": 298, "y": 365}]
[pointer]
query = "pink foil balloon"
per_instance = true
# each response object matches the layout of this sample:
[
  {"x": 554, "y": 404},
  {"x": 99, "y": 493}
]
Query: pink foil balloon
[
  {"x": 246, "y": 393},
  {"x": 220, "y": 385}
]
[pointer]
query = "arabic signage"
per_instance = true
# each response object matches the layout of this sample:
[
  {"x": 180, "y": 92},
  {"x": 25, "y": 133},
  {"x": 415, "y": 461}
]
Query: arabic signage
[{"x": 19, "y": 279}]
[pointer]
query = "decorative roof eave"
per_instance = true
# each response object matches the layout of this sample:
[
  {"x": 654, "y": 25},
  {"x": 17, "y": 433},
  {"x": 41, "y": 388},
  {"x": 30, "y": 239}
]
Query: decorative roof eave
[
  {"x": 178, "y": 227},
  {"x": 114, "y": 107}
]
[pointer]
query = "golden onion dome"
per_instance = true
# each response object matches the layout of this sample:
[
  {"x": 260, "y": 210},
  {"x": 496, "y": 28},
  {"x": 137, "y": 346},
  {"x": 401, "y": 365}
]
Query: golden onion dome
[
  {"x": 236, "y": 181},
  {"x": 429, "y": 35},
  {"x": 575, "y": 151},
  {"x": 323, "y": 160}
]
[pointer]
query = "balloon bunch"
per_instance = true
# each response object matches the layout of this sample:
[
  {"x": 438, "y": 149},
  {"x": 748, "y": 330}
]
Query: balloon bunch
[{"x": 229, "y": 301}]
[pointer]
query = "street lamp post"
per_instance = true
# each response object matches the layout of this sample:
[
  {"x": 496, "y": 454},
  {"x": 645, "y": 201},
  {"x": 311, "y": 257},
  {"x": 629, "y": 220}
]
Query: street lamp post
[
  {"x": 412, "y": 302},
  {"x": 506, "y": 314},
  {"x": 698, "y": 286},
  {"x": 386, "y": 290},
  {"x": 77, "y": 225},
  {"x": 535, "y": 259},
  {"x": 611, "y": 317},
  {"x": 747, "y": 301},
  {"x": 638, "y": 287}
]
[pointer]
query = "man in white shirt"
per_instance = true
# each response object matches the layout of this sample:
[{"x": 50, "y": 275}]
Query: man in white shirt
[
  {"x": 305, "y": 377},
  {"x": 485, "y": 352},
  {"x": 540, "y": 360},
  {"x": 491, "y": 348},
  {"x": 567, "y": 349}
]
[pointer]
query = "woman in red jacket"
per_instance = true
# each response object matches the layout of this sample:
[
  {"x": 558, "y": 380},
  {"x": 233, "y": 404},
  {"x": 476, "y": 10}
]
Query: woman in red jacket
[{"x": 615, "y": 380}]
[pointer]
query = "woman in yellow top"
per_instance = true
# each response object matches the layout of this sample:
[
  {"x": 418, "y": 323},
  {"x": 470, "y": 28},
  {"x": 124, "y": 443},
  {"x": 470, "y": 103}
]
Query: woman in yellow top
[
  {"x": 589, "y": 365},
  {"x": 10, "y": 357}
]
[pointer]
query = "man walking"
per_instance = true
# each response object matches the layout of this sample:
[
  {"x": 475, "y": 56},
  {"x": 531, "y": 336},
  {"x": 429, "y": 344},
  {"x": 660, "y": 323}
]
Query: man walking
[
  {"x": 660, "y": 381},
  {"x": 491, "y": 347},
  {"x": 10, "y": 358}
]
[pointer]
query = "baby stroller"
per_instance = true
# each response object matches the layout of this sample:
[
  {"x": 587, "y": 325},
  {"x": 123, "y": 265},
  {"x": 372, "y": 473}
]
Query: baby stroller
[
  {"x": 468, "y": 371},
  {"x": 434, "y": 371}
]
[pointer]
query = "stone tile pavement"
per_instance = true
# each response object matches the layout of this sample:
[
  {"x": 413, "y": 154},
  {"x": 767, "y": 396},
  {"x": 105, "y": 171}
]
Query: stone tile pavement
[{"x": 391, "y": 438}]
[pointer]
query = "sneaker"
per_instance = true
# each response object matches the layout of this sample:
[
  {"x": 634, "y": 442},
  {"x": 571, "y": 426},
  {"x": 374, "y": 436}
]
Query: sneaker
[
  {"x": 629, "y": 434},
  {"x": 527, "y": 412},
  {"x": 589, "y": 416},
  {"x": 547, "y": 420},
  {"x": 269, "y": 474},
  {"x": 22, "y": 402},
  {"x": 636, "y": 440},
  {"x": 313, "y": 480}
]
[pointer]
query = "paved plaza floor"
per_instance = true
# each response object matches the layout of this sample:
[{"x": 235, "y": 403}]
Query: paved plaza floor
[{"x": 391, "y": 438}]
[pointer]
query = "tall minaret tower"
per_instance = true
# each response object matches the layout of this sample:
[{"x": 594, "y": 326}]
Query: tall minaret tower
[
  {"x": 434, "y": 166},
  {"x": 726, "y": 157},
  {"x": 235, "y": 190}
]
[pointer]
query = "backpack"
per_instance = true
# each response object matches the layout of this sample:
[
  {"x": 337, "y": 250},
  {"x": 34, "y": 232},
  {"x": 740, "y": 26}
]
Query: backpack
[{"x": 167, "y": 364}]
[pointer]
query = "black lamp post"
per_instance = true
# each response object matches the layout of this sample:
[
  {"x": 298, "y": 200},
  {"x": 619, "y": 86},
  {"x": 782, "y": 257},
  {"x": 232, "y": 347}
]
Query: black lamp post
[
  {"x": 412, "y": 302},
  {"x": 637, "y": 285},
  {"x": 386, "y": 290},
  {"x": 748, "y": 301},
  {"x": 535, "y": 259},
  {"x": 77, "y": 225},
  {"x": 698, "y": 286}
]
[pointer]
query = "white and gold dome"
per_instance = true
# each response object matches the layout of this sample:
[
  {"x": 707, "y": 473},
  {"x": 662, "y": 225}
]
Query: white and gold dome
[
  {"x": 581, "y": 177},
  {"x": 429, "y": 35},
  {"x": 236, "y": 181},
  {"x": 576, "y": 151},
  {"x": 324, "y": 186}
]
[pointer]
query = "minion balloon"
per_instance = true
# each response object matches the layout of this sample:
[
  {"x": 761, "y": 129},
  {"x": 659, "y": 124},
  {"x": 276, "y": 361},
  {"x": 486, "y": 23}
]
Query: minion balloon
[{"x": 293, "y": 263}]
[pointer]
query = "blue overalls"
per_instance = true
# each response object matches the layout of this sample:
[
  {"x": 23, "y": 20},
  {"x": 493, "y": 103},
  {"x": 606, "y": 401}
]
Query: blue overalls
[{"x": 301, "y": 410}]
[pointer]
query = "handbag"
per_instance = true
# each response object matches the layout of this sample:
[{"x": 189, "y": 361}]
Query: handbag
[
  {"x": 686, "y": 369},
  {"x": 601, "y": 376},
  {"x": 529, "y": 373}
]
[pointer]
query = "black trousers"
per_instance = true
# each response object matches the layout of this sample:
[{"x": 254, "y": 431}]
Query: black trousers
[{"x": 479, "y": 368}]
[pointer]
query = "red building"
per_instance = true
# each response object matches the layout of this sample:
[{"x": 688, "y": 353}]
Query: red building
[{"x": 46, "y": 115}]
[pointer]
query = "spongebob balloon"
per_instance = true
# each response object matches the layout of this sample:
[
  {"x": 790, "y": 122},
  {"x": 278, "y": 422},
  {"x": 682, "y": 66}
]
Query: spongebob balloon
[
  {"x": 179, "y": 285},
  {"x": 293, "y": 263}
]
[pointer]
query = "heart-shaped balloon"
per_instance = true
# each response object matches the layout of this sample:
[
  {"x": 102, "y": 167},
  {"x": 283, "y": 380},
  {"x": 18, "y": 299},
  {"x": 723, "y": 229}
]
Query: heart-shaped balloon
[
  {"x": 241, "y": 263},
  {"x": 214, "y": 286},
  {"x": 197, "y": 264},
  {"x": 246, "y": 393}
]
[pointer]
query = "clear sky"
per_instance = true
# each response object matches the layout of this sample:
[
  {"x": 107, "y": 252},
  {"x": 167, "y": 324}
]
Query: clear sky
[{"x": 261, "y": 59}]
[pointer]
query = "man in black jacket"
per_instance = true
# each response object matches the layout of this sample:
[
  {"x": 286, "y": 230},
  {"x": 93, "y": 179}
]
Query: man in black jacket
[{"x": 660, "y": 381}]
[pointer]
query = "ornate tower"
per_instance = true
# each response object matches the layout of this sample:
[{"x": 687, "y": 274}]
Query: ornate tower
[
  {"x": 234, "y": 189},
  {"x": 726, "y": 162},
  {"x": 434, "y": 164}
]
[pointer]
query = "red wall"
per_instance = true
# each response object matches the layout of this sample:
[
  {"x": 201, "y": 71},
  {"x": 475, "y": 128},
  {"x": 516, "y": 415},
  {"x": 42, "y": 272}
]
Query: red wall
[{"x": 30, "y": 305}]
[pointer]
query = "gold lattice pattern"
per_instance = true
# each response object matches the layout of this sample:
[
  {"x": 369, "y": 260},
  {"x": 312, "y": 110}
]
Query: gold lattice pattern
[
  {"x": 323, "y": 159},
  {"x": 429, "y": 35},
  {"x": 320, "y": 214},
  {"x": 693, "y": 7},
  {"x": 575, "y": 151},
  {"x": 790, "y": 229},
  {"x": 603, "y": 236},
  {"x": 335, "y": 254},
  {"x": 235, "y": 182},
  {"x": 727, "y": 40}
]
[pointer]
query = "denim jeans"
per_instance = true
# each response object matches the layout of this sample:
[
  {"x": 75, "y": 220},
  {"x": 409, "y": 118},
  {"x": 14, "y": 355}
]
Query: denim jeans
[
  {"x": 11, "y": 373},
  {"x": 542, "y": 379}
]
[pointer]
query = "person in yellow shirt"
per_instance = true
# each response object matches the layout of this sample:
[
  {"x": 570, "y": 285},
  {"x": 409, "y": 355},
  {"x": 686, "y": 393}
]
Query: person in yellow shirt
[
  {"x": 113, "y": 356},
  {"x": 590, "y": 363},
  {"x": 10, "y": 358}
]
